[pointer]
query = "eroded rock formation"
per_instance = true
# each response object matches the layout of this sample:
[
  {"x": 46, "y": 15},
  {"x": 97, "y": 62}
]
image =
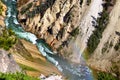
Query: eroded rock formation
[
  {"x": 59, "y": 21},
  {"x": 7, "y": 63}
]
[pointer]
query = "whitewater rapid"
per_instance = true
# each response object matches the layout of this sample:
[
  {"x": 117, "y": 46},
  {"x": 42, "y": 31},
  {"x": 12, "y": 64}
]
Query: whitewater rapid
[
  {"x": 12, "y": 23},
  {"x": 73, "y": 72},
  {"x": 87, "y": 23}
]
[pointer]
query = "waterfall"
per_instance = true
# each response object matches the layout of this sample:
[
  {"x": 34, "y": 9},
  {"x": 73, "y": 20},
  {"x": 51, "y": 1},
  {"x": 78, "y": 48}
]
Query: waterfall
[{"x": 74, "y": 72}]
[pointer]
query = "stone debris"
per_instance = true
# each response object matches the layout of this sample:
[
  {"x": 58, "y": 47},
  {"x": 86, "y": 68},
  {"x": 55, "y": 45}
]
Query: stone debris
[{"x": 51, "y": 77}]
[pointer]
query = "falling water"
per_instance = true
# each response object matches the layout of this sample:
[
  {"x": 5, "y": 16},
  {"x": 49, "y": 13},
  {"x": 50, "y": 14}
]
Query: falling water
[{"x": 72, "y": 71}]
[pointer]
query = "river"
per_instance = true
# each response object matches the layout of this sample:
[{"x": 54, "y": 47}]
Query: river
[{"x": 70, "y": 70}]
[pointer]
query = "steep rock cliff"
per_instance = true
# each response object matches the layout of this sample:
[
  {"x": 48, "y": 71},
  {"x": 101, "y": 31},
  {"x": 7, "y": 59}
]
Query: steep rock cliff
[
  {"x": 59, "y": 21},
  {"x": 2, "y": 14},
  {"x": 56, "y": 21},
  {"x": 24, "y": 53},
  {"x": 7, "y": 63},
  {"x": 106, "y": 56}
]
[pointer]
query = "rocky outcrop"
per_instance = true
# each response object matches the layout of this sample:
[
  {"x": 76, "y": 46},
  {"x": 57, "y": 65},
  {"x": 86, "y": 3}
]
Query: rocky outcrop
[
  {"x": 2, "y": 15},
  {"x": 57, "y": 22},
  {"x": 7, "y": 63},
  {"x": 51, "y": 77}
]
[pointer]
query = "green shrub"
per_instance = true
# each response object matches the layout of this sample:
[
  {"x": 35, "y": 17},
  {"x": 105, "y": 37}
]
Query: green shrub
[
  {"x": 16, "y": 76},
  {"x": 7, "y": 39}
]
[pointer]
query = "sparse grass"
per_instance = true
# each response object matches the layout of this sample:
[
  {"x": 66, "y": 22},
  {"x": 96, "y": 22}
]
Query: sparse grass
[{"x": 24, "y": 67}]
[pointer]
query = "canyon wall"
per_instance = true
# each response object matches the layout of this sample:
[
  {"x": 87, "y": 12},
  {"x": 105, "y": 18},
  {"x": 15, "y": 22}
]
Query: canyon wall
[
  {"x": 67, "y": 26},
  {"x": 56, "y": 21},
  {"x": 106, "y": 56},
  {"x": 20, "y": 56}
]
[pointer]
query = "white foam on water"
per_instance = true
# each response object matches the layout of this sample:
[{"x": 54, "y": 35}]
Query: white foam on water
[
  {"x": 54, "y": 62},
  {"x": 14, "y": 0},
  {"x": 15, "y": 21},
  {"x": 9, "y": 12},
  {"x": 43, "y": 51},
  {"x": 28, "y": 36},
  {"x": 48, "y": 51},
  {"x": 32, "y": 38}
]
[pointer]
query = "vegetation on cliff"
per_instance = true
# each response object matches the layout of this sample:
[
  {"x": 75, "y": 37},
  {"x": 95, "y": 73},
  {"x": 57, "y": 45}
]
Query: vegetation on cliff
[
  {"x": 105, "y": 76},
  {"x": 7, "y": 39},
  {"x": 24, "y": 68},
  {"x": 100, "y": 26},
  {"x": 97, "y": 34},
  {"x": 39, "y": 9},
  {"x": 24, "y": 9},
  {"x": 16, "y": 76},
  {"x": 106, "y": 44},
  {"x": 75, "y": 32}
]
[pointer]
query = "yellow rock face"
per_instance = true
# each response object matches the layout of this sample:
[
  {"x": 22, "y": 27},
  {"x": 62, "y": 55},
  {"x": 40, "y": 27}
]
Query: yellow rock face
[{"x": 2, "y": 17}]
